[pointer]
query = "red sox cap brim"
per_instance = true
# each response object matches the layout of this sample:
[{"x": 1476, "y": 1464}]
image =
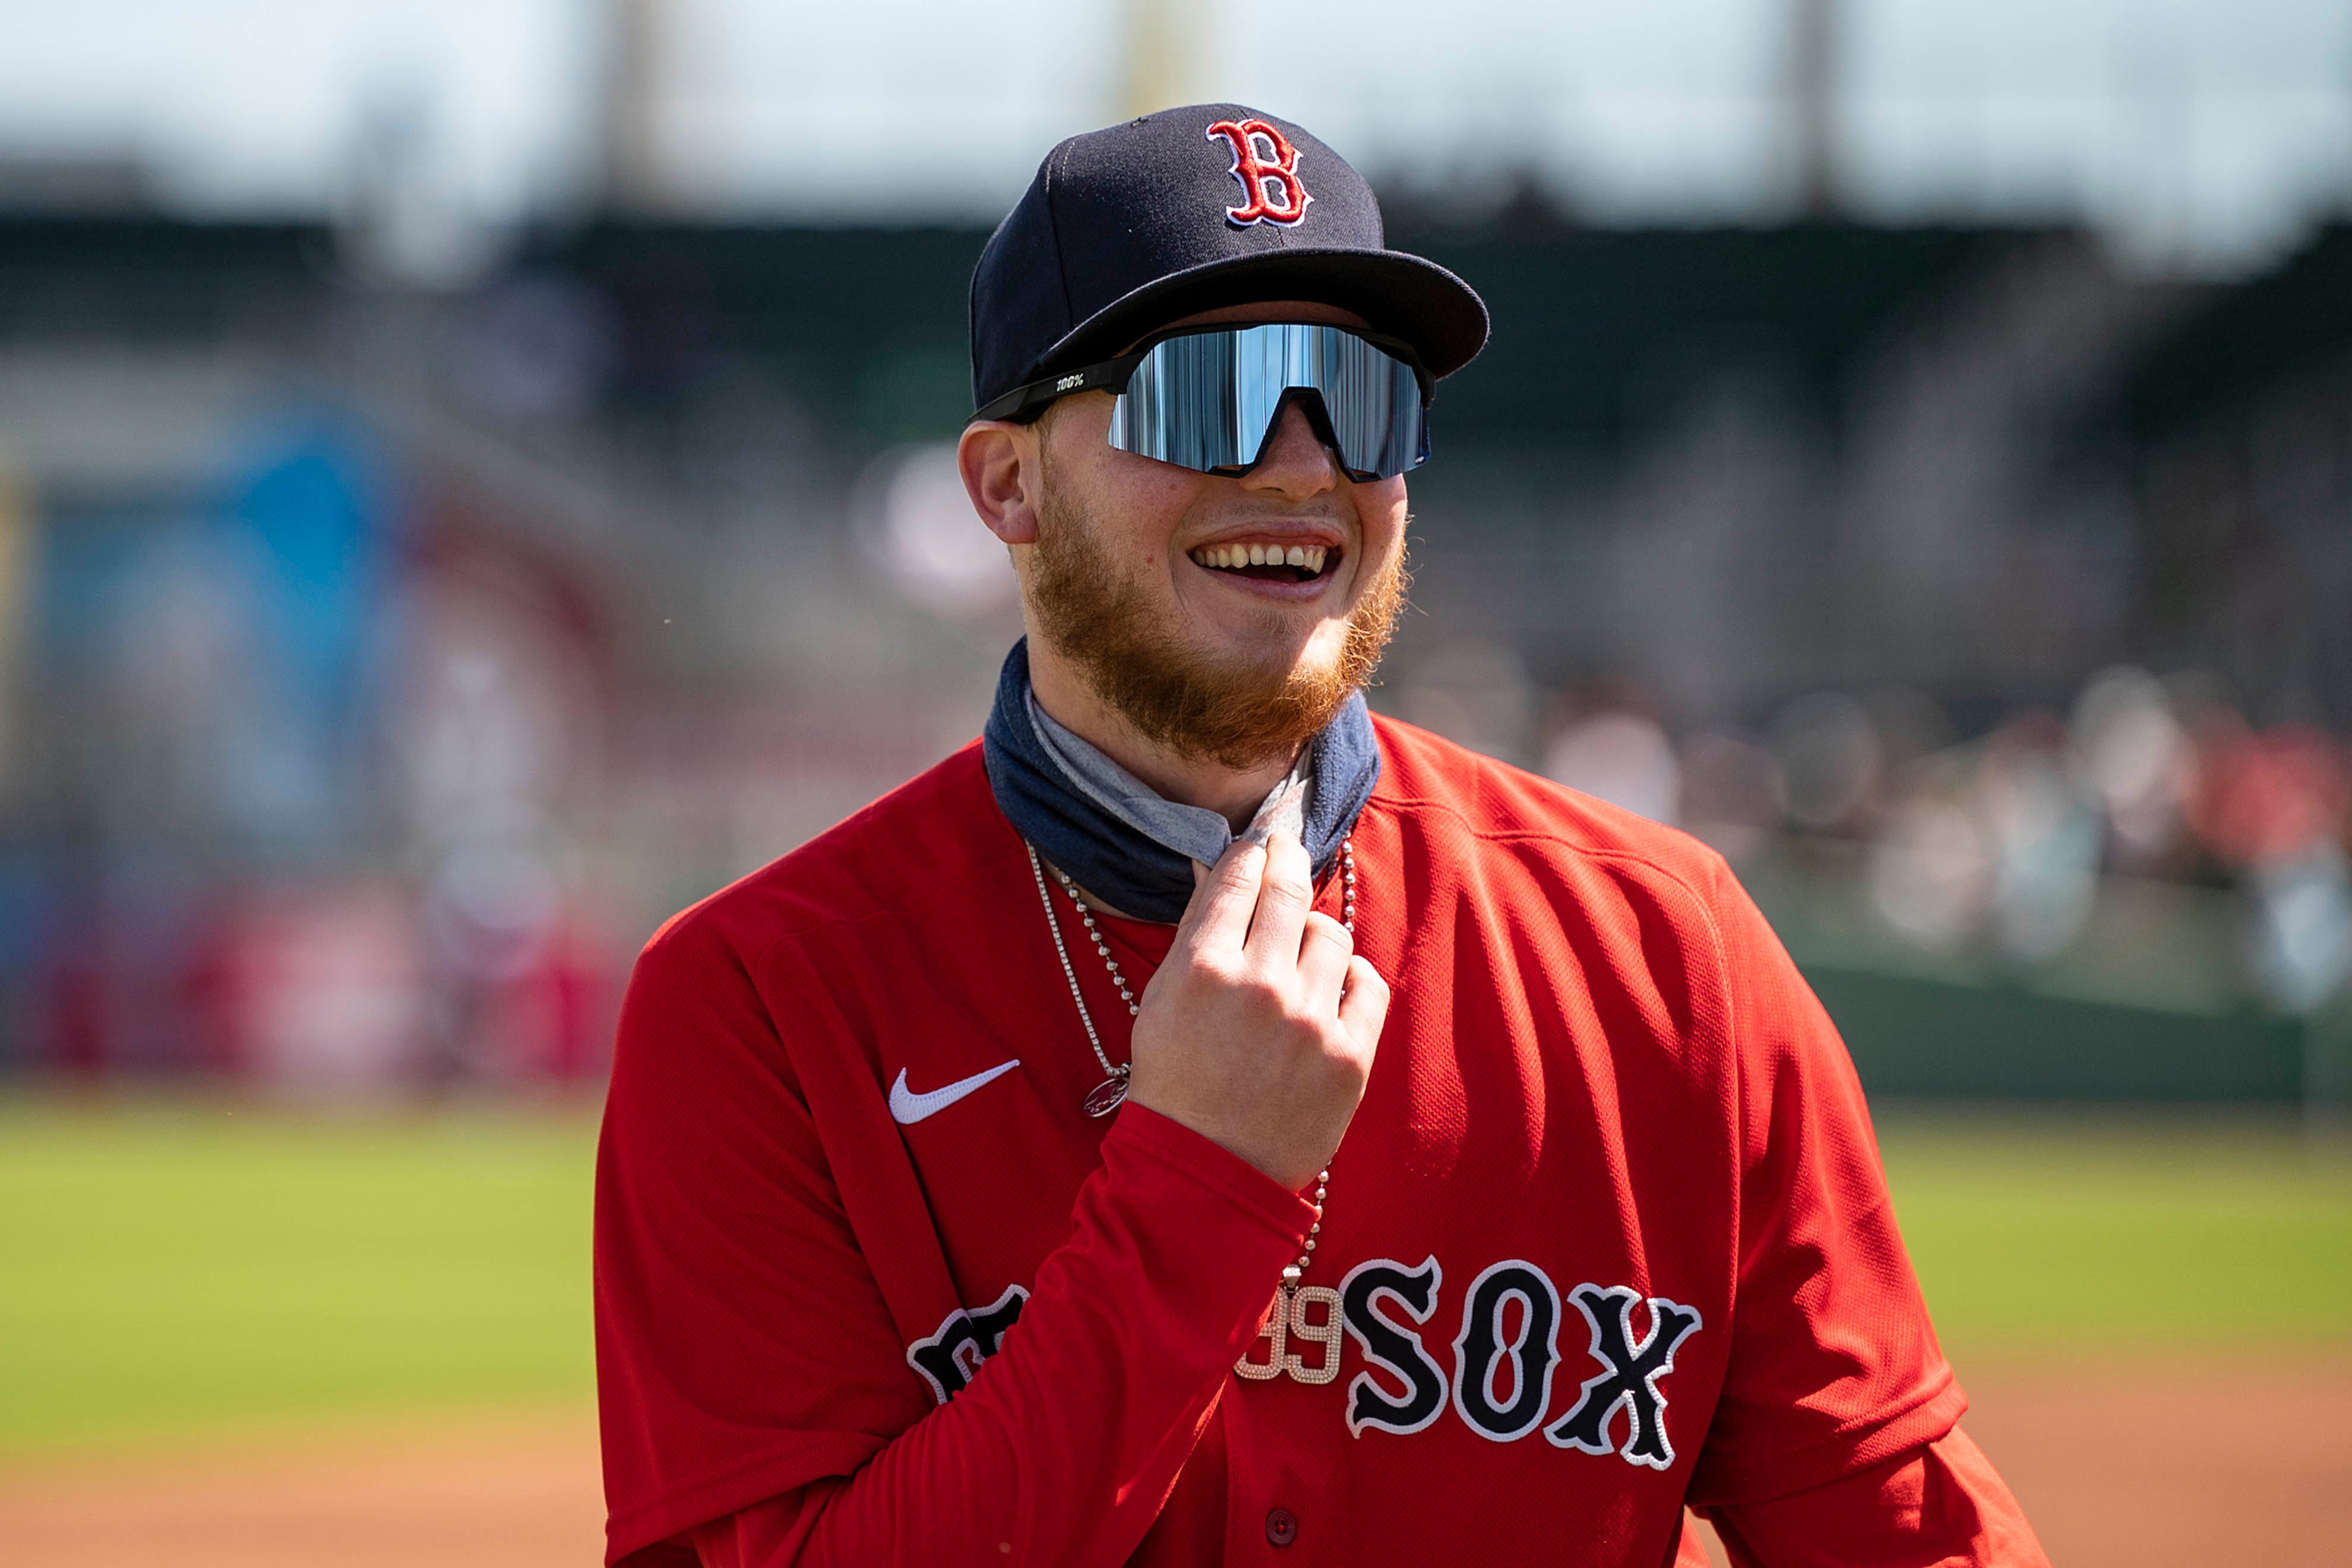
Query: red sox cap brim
[{"x": 1396, "y": 293}]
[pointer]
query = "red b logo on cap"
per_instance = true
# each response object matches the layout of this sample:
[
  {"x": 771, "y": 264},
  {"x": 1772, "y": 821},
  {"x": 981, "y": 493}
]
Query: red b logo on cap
[{"x": 1267, "y": 166}]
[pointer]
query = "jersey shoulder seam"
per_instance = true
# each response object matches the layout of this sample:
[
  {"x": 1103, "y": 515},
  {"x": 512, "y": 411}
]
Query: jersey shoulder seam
[
  {"x": 756, "y": 955},
  {"x": 755, "y": 958},
  {"x": 1699, "y": 897},
  {"x": 1547, "y": 835}
]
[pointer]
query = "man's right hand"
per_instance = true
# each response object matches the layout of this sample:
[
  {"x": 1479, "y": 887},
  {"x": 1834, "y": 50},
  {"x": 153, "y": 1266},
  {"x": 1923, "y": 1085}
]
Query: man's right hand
[{"x": 1258, "y": 1031}]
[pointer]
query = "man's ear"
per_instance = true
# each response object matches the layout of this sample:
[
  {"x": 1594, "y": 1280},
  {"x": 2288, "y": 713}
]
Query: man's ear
[{"x": 999, "y": 464}]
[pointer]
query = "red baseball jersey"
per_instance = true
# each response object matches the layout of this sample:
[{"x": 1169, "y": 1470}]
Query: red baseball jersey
[{"x": 1608, "y": 1234}]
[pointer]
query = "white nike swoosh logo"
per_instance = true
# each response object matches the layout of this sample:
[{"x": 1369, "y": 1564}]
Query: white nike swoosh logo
[{"x": 907, "y": 1108}]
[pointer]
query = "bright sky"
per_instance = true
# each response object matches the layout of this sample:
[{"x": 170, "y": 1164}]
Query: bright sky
[{"x": 2213, "y": 129}]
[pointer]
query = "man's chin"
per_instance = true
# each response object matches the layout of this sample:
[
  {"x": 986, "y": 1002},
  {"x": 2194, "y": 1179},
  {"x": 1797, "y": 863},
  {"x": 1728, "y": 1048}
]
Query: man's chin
[
  {"x": 1242, "y": 695},
  {"x": 1270, "y": 648},
  {"x": 1246, "y": 668}
]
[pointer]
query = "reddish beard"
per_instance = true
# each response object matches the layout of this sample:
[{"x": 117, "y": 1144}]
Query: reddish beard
[{"x": 1235, "y": 712}]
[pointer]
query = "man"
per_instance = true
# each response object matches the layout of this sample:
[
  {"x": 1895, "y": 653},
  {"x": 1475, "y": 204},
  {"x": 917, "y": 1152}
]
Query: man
[{"x": 1203, "y": 1124}]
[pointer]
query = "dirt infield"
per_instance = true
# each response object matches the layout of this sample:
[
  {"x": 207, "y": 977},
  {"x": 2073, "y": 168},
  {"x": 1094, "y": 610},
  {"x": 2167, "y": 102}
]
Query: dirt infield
[
  {"x": 2200, "y": 1463},
  {"x": 2149, "y": 1463},
  {"x": 517, "y": 1494}
]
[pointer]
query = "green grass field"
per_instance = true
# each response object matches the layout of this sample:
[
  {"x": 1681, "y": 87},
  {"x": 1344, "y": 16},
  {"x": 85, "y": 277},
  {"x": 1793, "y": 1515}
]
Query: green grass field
[
  {"x": 165, "y": 1269},
  {"x": 193, "y": 1267},
  {"x": 2089, "y": 1231}
]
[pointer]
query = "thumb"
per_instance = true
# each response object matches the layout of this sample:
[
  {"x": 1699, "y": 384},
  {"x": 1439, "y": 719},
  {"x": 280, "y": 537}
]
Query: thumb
[{"x": 1191, "y": 915}]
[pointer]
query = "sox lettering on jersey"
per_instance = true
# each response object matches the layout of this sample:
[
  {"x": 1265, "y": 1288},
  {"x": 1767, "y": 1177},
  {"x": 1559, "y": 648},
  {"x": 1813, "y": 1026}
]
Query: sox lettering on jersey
[
  {"x": 948, "y": 1358},
  {"x": 1504, "y": 1354},
  {"x": 1501, "y": 1385},
  {"x": 1393, "y": 1350},
  {"x": 1632, "y": 1378},
  {"x": 1267, "y": 166}
]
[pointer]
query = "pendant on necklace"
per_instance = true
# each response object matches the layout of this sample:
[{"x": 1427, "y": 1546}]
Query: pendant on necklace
[
  {"x": 1308, "y": 1314},
  {"x": 1108, "y": 1095}
]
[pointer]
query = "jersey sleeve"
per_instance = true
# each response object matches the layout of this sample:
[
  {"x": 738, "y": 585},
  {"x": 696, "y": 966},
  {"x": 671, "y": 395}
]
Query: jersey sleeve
[
  {"x": 1833, "y": 1365},
  {"x": 745, "y": 1351},
  {"x": 1942, "y": 1502}
]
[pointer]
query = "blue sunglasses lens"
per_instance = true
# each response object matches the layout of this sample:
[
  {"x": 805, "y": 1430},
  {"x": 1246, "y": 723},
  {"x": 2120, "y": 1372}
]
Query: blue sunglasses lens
[{"x": 1209, "y": 400}]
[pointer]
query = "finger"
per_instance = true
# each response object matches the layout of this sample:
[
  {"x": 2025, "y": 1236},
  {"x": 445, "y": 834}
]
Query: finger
[
  {"x": 1364, "y": 1006},
  {"x": 1324, "y": 949},
  {"x": 1191, "y": 918},
  {"x": 1218, "y": 914},
  {"x": 1285, "y": 893}
]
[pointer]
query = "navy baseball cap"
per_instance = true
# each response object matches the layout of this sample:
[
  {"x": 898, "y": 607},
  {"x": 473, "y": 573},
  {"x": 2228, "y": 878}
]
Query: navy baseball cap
[{"x": 1127, "y": 229}]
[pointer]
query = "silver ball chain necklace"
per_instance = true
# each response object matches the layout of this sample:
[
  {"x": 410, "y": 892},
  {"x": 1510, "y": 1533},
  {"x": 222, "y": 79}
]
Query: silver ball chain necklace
[{"x": 1294, "y": 1312}]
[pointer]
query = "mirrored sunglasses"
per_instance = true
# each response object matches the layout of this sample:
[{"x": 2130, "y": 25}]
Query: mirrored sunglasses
[{"x": 1209, "y": 398}]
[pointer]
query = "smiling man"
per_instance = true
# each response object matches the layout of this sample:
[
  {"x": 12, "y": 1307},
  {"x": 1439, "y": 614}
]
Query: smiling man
[{"x": 1202, "y": 1122}]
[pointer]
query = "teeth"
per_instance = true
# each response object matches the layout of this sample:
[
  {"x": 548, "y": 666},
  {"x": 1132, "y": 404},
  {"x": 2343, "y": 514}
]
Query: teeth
[{"x": 1227, "y": 557}]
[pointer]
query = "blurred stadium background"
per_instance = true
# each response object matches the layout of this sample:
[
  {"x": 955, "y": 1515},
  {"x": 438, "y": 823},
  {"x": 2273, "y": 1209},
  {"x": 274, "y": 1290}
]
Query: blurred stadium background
[{"x": 474, "y": 478}]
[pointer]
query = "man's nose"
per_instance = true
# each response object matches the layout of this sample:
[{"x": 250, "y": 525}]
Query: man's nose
[{"x": 1295, "y": 463}]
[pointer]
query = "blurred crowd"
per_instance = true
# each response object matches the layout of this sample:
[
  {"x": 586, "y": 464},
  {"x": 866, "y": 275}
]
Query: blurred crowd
[
  {"x": 334, "y": 776},
  {"x": 296, "y": 792},
  {"x": 2002, "y": 843},
  {"x": 345, "y": 783}
]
